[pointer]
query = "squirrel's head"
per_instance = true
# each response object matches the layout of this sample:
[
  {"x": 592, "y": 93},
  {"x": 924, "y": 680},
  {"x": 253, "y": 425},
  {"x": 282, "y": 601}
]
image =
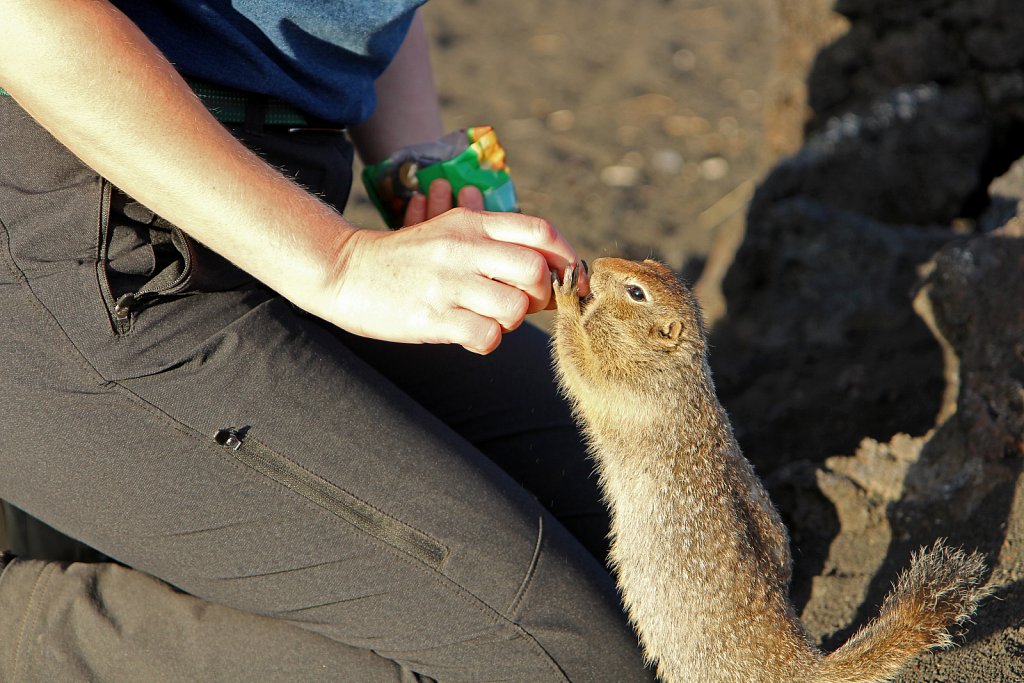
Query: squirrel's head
[{"x": 647, "y": 306}]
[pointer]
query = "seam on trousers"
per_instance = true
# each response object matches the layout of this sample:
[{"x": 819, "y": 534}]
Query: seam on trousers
[
  {"x": 80, "y": 358},
  {"x": 513, "y": 608},
  {"x": 456, "y": 590},
  {"x": 8, "y": 261},
  {"x": 28, "y": 618},
  {"x": 102, "y": 250}
]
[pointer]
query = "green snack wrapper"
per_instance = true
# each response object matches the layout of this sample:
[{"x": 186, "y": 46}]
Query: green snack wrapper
[{"x": 464, "y": 157}]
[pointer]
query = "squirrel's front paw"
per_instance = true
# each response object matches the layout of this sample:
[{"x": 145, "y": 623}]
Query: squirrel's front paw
[{"x": 566, "y": 290}]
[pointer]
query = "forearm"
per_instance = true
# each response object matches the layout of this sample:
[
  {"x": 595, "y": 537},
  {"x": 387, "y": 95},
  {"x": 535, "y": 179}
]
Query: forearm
[
  {"x": 407, "y": 111},
  {"x": 87, "y": 74}
]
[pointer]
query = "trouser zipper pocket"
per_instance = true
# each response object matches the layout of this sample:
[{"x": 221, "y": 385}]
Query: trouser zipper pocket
[
  {"x": 167, "y": 282},
  {"x": 141, "y": 257},
  {"x": 339, "y": 502}
]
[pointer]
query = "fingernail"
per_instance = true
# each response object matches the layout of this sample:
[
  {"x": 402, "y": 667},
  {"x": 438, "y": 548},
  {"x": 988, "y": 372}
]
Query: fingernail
[{"x": 586, "y": 268}]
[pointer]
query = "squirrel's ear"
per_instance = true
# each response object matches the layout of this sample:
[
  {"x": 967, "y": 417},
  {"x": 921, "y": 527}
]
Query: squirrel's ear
[{"x": 668, "y": 333}]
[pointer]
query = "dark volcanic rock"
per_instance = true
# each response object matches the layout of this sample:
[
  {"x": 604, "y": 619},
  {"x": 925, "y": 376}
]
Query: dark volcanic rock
[
  {"x": 822, "y": 346},
  {"x": 876, "y": 309},
  {"x": 916, "y": 156},
  {"x": 977, "y": 295}
]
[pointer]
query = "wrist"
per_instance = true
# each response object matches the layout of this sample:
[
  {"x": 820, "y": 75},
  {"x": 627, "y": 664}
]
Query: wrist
[
  {"x": 340, "y": 304},
  {"x": 306, "y": 261}
]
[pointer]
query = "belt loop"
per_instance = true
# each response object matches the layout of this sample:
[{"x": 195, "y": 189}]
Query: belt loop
[{"x": 255, "y": 114}]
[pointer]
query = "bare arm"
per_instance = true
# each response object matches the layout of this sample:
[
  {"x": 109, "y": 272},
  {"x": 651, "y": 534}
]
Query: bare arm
[{"x": 87, "y": 74}]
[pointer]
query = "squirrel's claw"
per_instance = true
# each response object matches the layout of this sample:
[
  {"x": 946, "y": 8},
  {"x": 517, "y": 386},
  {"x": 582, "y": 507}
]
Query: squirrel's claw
[
  {"x": 571, "y": 280},
  {"x": 565, "y": 289}
]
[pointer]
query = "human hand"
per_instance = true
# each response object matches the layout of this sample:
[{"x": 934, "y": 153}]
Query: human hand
[
  {"x": 463, "y": 276},
  {"x": 439, "y": 200}
]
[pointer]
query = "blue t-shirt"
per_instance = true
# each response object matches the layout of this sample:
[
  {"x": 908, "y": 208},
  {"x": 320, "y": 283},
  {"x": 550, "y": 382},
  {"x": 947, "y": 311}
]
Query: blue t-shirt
[{"x": 321, "y": 56}]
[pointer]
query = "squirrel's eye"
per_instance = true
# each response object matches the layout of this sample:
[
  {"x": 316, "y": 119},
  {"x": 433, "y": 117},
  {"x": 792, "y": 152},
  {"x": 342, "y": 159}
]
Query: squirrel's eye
[{"x": 636, "y": 293}]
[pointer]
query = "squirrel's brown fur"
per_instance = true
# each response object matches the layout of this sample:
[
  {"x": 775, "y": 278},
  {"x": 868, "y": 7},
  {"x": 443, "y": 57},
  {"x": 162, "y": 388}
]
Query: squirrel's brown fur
[{"x": 701, "y": 556}]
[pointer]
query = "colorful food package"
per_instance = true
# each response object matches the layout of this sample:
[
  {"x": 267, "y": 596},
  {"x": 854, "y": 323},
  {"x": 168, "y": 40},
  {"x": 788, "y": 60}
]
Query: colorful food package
[{"x": 464, "y": 157}]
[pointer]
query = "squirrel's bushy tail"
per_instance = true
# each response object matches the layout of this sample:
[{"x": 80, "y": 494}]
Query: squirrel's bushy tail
[{"x": 940, "y": 590}]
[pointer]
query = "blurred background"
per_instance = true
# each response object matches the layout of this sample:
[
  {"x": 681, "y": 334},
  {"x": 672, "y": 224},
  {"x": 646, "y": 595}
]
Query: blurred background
[{"x": 637, "y": 127}]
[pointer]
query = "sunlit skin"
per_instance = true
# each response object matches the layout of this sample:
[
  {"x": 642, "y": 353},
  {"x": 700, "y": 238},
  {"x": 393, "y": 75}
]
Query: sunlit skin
[{"x": 460, "y": 276}]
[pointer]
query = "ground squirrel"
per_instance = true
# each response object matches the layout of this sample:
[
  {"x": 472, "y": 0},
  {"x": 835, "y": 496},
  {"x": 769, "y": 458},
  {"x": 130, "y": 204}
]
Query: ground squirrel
[{"x": 700, "y": 554}]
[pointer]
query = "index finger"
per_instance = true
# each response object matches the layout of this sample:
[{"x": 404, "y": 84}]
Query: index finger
[{"x": 534, "y": 233}]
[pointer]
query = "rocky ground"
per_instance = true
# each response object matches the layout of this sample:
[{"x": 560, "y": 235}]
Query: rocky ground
[{"x": 868, "y": 297}]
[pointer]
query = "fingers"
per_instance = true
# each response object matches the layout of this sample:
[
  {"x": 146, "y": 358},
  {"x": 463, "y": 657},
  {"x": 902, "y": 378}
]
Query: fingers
[
  {"x": 518, "y": 250},
  {"x": 438, "y": 200},
  {"x": 415, "y": 210},
  {"x": 531, "y": 249},
  {"x": 520, "y": 267},
  {"x": 473, "y": 332},
  {"x": 476, "y": 317},
  {"x": 424, "y": 207},
  {"x": 538, "y": 235},
  {"x": 470, "y": 197},
  {"x": 504, "y": 304}
]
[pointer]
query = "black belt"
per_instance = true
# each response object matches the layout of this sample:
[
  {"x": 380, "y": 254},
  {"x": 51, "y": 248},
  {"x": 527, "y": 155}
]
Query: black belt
[{"x": 236, "y": 106}]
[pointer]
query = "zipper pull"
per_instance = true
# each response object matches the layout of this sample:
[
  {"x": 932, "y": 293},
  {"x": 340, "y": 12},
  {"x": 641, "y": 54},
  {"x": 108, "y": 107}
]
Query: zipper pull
[
  {"x": 229, "y": 439},
  {"x": 123, "y": 308}
]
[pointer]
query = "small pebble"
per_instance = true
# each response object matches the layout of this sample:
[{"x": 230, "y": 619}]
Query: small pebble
[
  {"x": 667, "y": 161},
  {"x": 561, "y": 121},
  {"x": 620, "y": 176},
  {"x": 714, "y": 168},
  {"x": 684, "y": 60},
  {"x": 680, "y": 126},
  {"x": 633, "y": 158},
  {"x": 728, "y": 126}
]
